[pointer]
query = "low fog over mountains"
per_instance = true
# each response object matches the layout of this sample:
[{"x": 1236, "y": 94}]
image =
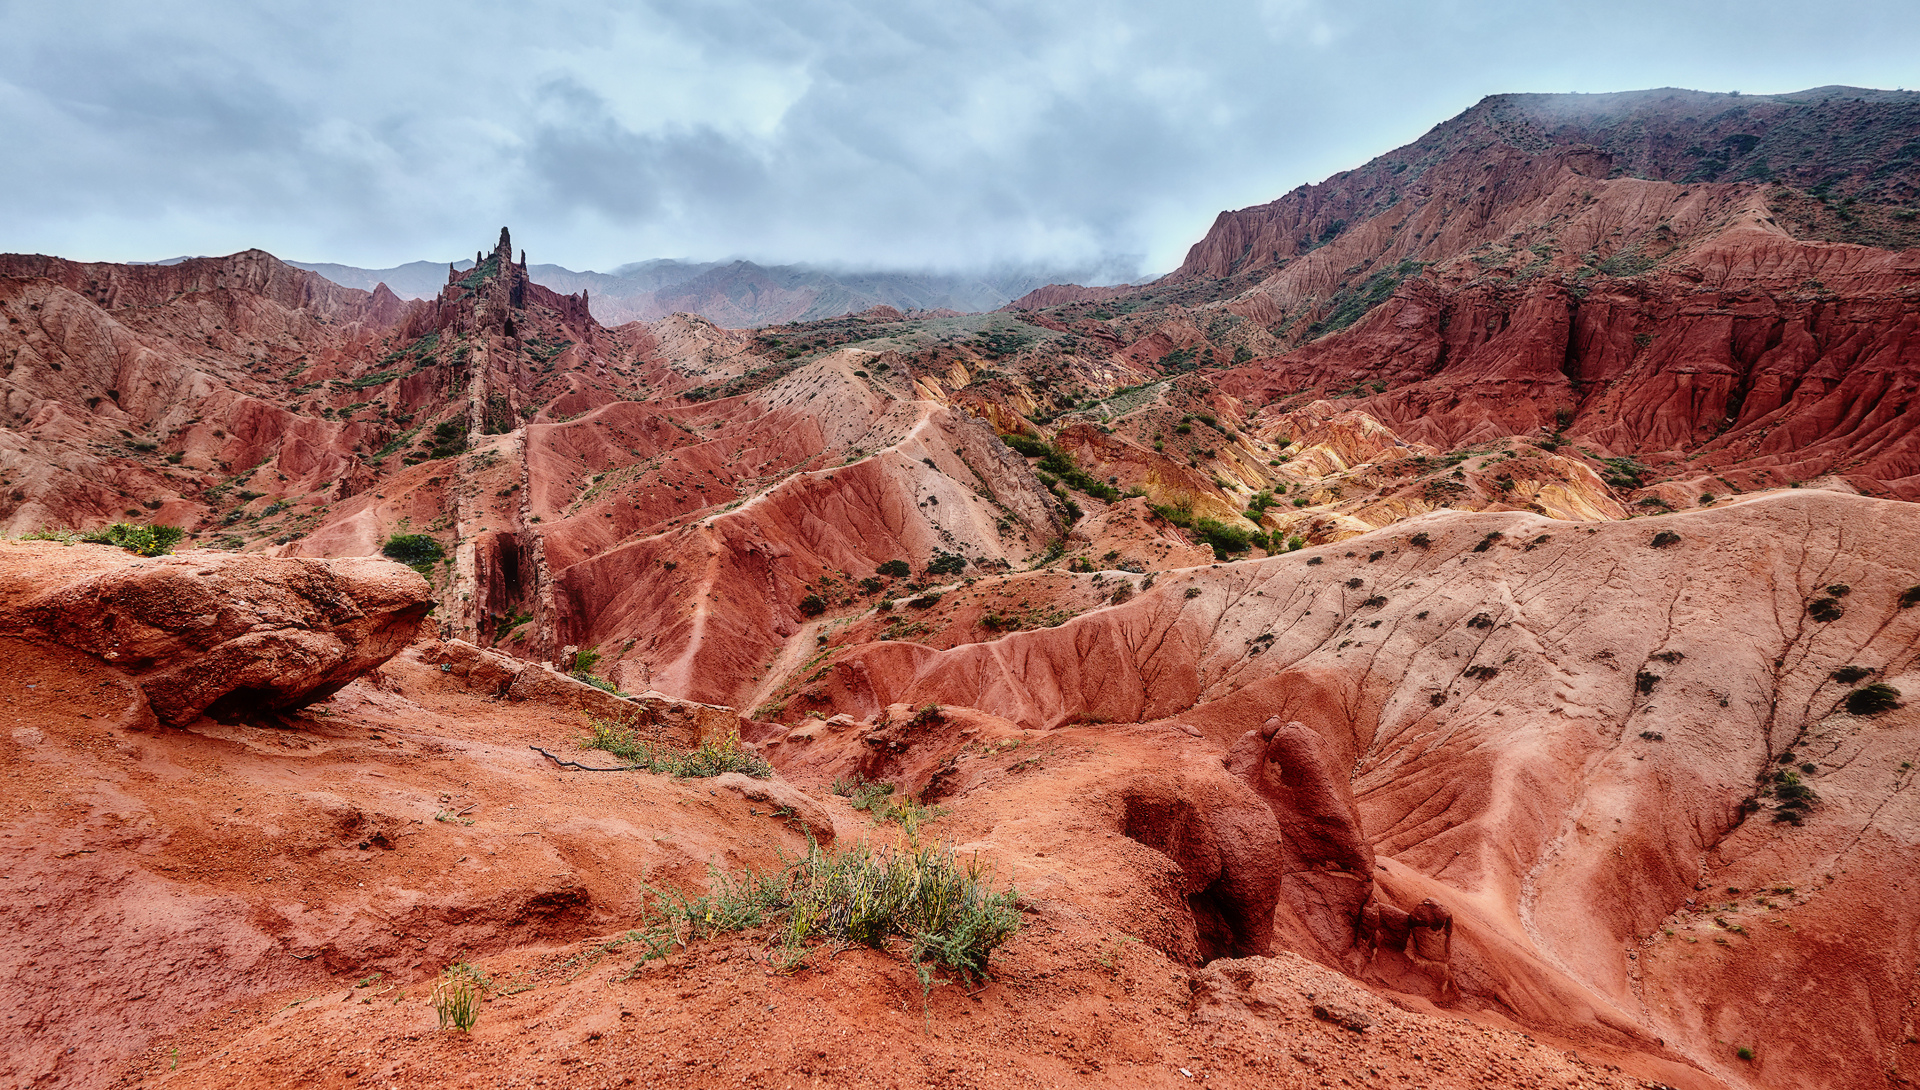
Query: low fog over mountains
[{"x": 741, "y": 293}]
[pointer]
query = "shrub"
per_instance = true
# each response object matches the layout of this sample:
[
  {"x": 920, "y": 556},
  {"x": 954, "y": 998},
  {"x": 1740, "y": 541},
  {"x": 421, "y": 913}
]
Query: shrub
[
  {"x": 1028, "y": 445},
  {"x": 813, "y": 605},
  {"x": 1665, "y": 538},
  {"x": 946, "y": 564},
  {"x": 1224, "y": 538},
  {"x": 1910, "y": 597},
  {"x": 1487, "y": 542},
  {"x": 1193, "y": 592},
  {"x": 139, "y": 539},
  {"x": 1825, "y": 609},
  {"x": 1421, "y": 539},
  {"x": 1624, "y": 473},
  {"x": 945, "y": 912},
  {"x": 1296, "y": 543},
  {"x": 1873, "y": 699},
  {"x": 708, "y": 759},
  {"x": 417, "y": 551},
  {"x": 896, "y": 569},
  {"x": 1847, "y": 675},
  {"x": 1744, "y": 1053}
]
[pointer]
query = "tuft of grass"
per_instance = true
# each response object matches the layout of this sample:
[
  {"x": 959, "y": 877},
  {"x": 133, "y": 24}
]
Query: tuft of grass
[
  {"x": 876, "y": 798},
  {"x": 709, "y": 759},
  {"x": 923, "y": 901},
  {"x": 457, "y": 995}
]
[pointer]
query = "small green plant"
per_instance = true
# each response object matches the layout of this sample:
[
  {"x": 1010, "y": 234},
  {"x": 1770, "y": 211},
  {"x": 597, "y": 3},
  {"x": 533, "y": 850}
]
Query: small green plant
[
  {"x": 1110, "y": 956},
  {"x": 1873, "y": 699},
  {"x": 1847, "y": 675},
  {"x": 138, "y": 538},
  {"x": 708, "y": 759},
  {"x": 1910, "y": 598},
  {"x": 896, "y": 569},
  {"x": 1744, "y": 1053},
  {"x": 457, "y": 995}
]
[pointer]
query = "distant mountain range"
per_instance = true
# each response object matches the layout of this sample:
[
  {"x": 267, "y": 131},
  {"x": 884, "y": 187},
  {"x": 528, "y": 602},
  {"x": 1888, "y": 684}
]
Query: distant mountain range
[{"x": 736, "y": 293}]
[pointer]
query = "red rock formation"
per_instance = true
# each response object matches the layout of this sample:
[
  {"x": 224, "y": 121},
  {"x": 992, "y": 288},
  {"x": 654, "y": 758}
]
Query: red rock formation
[{"x": 222, "y": 635}]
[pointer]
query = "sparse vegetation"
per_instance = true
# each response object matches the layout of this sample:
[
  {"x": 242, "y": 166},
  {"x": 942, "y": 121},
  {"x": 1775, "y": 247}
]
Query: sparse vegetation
[
  {"x": 417, "y": 551},
  {"x": 709, "y": 759},
  {"x": 141, "y": 539},
  {"x": 457, "y": 994},
  {"x": 1873, "y": 699},
  {"x": 944, "y": 912}
]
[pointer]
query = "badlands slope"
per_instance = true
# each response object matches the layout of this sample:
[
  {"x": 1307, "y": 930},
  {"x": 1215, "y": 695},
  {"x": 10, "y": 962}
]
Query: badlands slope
[{"x": 1446, "y": 620}]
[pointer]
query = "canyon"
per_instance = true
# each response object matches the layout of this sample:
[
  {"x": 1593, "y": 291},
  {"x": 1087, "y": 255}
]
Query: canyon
[{"x": 1456, "y": 630}]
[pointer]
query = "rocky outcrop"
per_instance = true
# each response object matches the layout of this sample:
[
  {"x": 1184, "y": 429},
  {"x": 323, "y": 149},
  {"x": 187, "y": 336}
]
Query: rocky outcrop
[
  {"x": 225, "y": 635},
  {"x": 1326, "y": 860},
  {"x": 654, "y": 716}
]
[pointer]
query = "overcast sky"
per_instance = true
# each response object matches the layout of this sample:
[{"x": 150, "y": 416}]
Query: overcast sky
[{"x": 948, "y": 134}]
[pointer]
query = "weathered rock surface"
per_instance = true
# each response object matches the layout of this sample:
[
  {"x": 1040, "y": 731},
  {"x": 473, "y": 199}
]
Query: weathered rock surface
[{"x": 214, "y": 633}]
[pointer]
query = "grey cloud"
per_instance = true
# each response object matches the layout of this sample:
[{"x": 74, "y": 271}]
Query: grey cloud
[{"x": 914, "y": 134}]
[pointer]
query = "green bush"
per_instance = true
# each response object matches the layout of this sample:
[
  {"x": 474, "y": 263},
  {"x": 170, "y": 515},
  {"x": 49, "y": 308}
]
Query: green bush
[
  {"x": 139, "y": 539},
  {"x": 944, "y": 563},
  {"x": 1028, "y": 445},
  {"x": 813, "y": 605},
  {"x": 417, "y": 551},
  {"x": 896, "y": 569},
  {"x": 1873, "y": 699},
  {"x": 1224, "y": 538}
]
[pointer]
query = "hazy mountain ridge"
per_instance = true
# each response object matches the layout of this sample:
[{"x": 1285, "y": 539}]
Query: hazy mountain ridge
[{"x": 735, "y": 293}]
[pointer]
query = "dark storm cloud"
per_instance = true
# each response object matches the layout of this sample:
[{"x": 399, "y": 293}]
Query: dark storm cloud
[{"x": 902, "y": 134}]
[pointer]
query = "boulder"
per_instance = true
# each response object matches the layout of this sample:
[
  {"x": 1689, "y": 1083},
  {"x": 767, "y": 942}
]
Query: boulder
[{"x": 214, "y": 633}]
